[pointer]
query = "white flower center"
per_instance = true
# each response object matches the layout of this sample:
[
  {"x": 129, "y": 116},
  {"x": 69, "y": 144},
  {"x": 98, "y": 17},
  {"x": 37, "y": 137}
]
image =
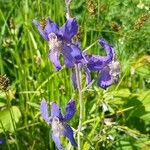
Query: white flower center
[
  {"x": 55, "y": 44},
  {"x": 57, "y": 127},
  {"x": 114, "y": 69}
]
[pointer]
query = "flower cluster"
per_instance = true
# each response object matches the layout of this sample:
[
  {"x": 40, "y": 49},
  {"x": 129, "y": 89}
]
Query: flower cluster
[{"x": 60, "y": 42}]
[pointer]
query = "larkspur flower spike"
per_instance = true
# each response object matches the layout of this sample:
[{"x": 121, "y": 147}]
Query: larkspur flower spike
[
  {"x": 59, "y": 41},
  {"x": 59, "y": 123}
]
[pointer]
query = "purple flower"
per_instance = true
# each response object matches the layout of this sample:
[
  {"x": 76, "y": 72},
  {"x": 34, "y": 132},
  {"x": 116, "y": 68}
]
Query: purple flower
[
  {"x": 59, "y": 40},
  {"x": 107, "y": 66},
  {"x": 2, "y": 141},
  {"x": 59, "y": 123}
]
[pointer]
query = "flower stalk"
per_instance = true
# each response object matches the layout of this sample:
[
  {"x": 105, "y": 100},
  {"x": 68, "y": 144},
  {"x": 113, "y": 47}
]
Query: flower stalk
[
  {"x": 68, "y": 14},
  {"x": 79, "y": 86},
  {"x": 78, "y": 81}
]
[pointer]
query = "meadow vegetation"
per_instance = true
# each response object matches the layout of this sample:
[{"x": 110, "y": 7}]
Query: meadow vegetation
[{"x": 27, "y": 75}]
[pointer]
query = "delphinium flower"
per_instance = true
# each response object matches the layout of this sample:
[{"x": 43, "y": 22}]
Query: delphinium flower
[
  {"x": 59, "y": 123},
  {"x": 59, "y": 41},
  {"x": 107, "y": 66}
]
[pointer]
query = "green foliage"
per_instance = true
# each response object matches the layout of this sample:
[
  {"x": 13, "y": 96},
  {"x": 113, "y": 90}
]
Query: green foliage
[
  {"x": 8, "y": 117},
  {"x": 23, "y": 58}
]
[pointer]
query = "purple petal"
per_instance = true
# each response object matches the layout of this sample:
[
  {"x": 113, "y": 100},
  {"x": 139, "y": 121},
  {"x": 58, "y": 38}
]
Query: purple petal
[
  {"x": 57, "y": 141},
  {"x": 44, "y": 111},
  {"x": 50, "y": 26},
  {"x": 68, "y": 61},
  {"x": 69, "y": 29},
  {"x": 109, "y": 49},
  {"x": 105, "y": 79},
  {"x": 54, "y": 57},
  {"x": 87, "y": 74},
  {"x": 72, "y": 54},
  {"x": 74, "y": 80},
  {"x": 76, "y": 53},
  {"x": 69, "y": 134},
  {"x": 70, "y": 110},
  {"x": 56, "y": 111},
  {"x": 95, "y": 63},
  {"x": 42, "y": 33}
]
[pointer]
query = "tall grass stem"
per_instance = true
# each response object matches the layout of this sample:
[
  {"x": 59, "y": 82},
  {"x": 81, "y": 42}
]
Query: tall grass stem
[{"x": 13, "y": 120}]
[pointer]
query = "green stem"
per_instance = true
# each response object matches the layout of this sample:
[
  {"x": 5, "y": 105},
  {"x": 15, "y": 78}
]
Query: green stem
[
  {"x": 79, "y": 85},
  {"x": 12, "y": 118},
  {"x": 68, "y": 14}
]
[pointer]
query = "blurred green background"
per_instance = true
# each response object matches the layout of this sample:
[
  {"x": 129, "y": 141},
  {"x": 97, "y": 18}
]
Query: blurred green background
[{"x": 24, "y": 59}]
